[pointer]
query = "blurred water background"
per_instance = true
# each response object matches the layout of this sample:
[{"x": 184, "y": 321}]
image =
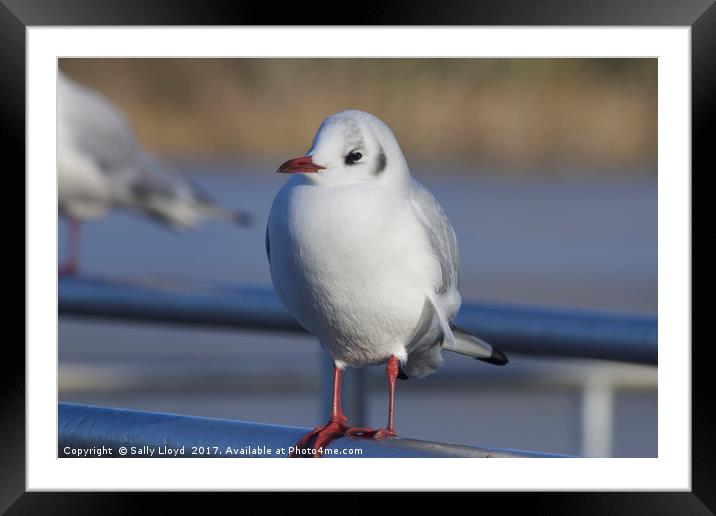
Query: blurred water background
[{"x": 547, "y": 169}]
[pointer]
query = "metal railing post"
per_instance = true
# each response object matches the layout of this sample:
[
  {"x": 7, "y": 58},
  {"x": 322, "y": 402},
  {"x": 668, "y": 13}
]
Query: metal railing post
[
  {"x": 356, "y": 390},
  {"x": 597, "y": 417}
]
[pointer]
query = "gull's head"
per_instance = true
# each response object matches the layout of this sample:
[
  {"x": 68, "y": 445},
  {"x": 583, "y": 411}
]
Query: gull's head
[{"x": 349, "y": 147}]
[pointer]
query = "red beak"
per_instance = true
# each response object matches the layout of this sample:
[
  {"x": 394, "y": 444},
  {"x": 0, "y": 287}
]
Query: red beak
[{"x": 299, "y": 166}]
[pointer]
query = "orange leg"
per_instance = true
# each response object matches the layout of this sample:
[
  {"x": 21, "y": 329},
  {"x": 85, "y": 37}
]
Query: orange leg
[
  {"x": 391, "y": 370},
  {"x": 337, "y": 427},
  {"x": 334, "y": 429}
]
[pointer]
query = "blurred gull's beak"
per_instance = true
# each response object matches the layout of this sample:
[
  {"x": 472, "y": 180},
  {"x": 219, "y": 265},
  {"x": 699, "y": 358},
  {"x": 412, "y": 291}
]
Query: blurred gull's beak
[{"x": 299, "y": 166}]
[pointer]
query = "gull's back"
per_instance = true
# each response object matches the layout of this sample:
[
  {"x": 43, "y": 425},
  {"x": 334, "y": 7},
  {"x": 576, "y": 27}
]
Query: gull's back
[
  {"x": 96, "y": 151},
  {"x": 101, "y": 165}
]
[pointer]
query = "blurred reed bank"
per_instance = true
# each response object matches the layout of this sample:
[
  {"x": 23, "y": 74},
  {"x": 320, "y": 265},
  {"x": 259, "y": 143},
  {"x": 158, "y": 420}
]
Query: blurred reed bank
[
  {"x": 526, "y": 115},
  {"x": 547, "y": 169}
]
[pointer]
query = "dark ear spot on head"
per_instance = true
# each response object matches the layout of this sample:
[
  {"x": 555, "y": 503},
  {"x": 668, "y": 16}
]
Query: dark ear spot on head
[{"x": 382, "y": 162}]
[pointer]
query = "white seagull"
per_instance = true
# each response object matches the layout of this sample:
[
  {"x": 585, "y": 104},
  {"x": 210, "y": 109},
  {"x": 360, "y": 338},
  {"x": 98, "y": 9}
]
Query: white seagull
[
  {"x": 365, "y": 259},
  {"x": 101, "y": 166}
]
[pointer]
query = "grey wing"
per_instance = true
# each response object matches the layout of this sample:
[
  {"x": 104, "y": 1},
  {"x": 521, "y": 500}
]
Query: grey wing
[
  {"x": 444, "y": 245},
  {"x": 441, "y": 236}
]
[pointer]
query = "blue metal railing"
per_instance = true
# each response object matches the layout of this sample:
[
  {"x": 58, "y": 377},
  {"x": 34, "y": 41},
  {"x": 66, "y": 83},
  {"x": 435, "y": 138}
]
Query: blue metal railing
[
  {"x": 522, "y": 330},
  {"x": 87, "y": 431}
]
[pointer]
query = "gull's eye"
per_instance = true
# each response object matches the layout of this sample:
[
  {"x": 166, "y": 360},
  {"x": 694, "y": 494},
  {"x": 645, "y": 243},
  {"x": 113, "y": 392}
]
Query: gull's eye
[{"x": 352, "y": 157}]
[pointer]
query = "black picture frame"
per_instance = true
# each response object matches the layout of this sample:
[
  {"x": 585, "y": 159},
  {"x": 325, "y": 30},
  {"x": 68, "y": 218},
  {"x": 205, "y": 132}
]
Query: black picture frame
[{"x": 17, "y": 15}]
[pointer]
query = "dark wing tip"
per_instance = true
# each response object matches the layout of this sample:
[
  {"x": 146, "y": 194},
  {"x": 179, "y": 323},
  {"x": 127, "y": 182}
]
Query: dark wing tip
[
  {"x": 497, "y": 358},
  {"x": 402, "y": 375}
]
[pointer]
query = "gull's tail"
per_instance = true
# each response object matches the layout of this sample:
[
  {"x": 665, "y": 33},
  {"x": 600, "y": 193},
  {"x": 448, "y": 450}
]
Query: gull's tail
[
  {"x": 239, "y": 217},
  {"x": 425, "y": 360},
  {"x": 467, "y": 344},
  {"x": 210, "y": 209},
  {"x": 170, "y": 197}
]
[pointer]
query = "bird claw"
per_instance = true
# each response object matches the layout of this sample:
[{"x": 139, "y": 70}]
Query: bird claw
[
  {"x": 333, "y": 430},
  {"x": 369, "y": 433}
]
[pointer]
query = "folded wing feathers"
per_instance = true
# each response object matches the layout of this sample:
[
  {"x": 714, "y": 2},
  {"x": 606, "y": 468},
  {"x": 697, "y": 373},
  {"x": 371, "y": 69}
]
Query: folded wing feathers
[{"x": 464, "y": 343}]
